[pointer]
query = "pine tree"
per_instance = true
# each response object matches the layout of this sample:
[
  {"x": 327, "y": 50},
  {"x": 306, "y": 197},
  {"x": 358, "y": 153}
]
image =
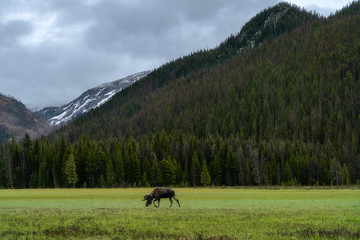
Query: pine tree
[
  {"x": 135, "y": 169},
  {"x": 102, "y": 181},
  {"x": 110, "y": 176},
  {"x": 3, "y": 180},
  {"x": 59, "y": 163},
  {"x": 195, "y": 170},
  {"x": 168, "y": 172},
  {"x": 336, "y": 172},
  {"x": 146, "y": 169},
  {"x": 287, "y": 174},
  {"x": 156, "y": 174},
  {"x": 26, "y": 159},
  {"x": 145, "y": 181},
  {"x": 231, "y": 168},
  {"x": 70, "y": 171},
  {"x": 205, "y": 176},
  {"x": 346, "y": 175},
  {"x": 216, "y": 170},
  {"x": 43, "y": 173},
  {"x": 119, "y": 165},
  {"x": 247, "y": 173}
]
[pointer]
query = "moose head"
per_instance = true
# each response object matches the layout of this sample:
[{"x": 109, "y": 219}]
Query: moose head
[{"x": 148, "y": 200}]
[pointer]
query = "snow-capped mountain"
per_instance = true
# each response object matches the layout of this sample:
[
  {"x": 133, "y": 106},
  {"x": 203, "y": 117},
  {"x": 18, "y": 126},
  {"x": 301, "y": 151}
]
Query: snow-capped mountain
[{"x": 90, "y": 99}]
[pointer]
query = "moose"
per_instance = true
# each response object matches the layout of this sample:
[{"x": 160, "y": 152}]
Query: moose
[{"x": 159, "y": 193}]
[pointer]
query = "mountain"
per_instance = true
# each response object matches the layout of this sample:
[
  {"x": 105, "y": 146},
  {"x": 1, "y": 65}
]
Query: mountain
[
  {"x": 130, "y": 103},
  {"x": 16, "y": 120},
  {"x": 270, "y": 23},
  {"x": 285, "y": 111},
  {"x": 90, "y": 99}
]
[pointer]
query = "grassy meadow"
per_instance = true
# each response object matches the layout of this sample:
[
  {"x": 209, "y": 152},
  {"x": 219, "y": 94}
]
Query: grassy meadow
[{"x": 204, "y": 214}]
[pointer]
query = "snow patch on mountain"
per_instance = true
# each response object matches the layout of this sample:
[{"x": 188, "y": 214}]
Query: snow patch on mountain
[
  {"x": 90, "y": 99},
  {"x": 110, "y": 94},
  {"x": 274, "y": 17}
]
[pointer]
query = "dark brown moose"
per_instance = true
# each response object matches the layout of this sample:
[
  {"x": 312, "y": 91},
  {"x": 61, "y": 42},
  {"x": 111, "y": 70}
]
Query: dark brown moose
[{"x": 159, "y": 193}]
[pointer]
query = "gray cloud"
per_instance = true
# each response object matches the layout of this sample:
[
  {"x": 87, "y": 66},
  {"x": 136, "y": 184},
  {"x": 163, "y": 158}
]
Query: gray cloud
[
  {"x": 52, "y": 51},
  {"x": 11, "y": 31}
]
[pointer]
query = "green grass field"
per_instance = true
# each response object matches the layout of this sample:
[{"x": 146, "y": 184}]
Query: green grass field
[{"x": 204, "y": 214}]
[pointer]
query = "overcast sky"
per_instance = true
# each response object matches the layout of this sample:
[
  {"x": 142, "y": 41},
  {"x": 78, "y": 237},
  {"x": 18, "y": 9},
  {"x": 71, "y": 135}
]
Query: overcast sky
[{"x": 53, "y": 50}]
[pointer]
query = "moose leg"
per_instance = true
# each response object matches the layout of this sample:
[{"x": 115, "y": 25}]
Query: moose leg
[
  {"x": 177, "y": 201},
  {"x": 154, "y": 203},
  {"x": 171, "y": 201}
]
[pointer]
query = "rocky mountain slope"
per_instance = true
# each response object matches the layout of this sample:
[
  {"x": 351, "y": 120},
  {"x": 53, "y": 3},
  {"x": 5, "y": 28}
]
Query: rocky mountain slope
[
  {"x": 92, "y": 98},
  {"x": 16, "y": 120}
]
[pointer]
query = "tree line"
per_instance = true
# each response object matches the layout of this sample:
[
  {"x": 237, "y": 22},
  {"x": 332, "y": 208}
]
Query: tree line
[{"x": 172, "y": 159}]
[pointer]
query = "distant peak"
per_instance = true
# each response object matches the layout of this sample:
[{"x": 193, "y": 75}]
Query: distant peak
[
  {"x": 132, "y": 76},
  {"x": 272, "y": 22},
  {"x": 90, "y": 99},
  {"x": 16, "y": 120}
]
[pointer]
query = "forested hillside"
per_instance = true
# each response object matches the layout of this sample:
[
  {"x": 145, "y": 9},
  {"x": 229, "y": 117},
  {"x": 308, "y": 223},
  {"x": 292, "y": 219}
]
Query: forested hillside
[
  {"x": 284, "y": 112},
  {"x": 138, "y": 99}
]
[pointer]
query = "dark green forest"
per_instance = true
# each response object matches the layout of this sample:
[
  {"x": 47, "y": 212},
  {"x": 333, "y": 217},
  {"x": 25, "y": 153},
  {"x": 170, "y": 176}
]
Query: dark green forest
[{"x": 283, "y": 112}]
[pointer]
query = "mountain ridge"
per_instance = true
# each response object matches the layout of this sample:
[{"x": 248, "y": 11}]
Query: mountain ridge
[
  {"x": 91, "y": 98},
  {"x": 16, "y": 120}
]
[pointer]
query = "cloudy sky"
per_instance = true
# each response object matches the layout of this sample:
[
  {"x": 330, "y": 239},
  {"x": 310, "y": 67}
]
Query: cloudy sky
[{"x": 53, "y": 50}]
